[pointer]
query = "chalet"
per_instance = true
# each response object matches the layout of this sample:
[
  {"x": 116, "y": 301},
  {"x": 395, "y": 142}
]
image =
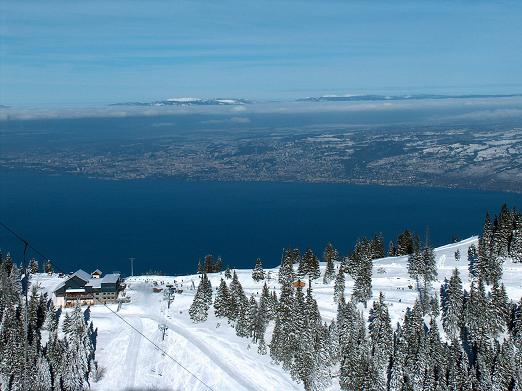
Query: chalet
[{"x": 88, "y": 288}]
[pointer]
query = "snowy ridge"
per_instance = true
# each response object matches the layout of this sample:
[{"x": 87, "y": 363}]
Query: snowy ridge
[{"x": 212, "y": 350}]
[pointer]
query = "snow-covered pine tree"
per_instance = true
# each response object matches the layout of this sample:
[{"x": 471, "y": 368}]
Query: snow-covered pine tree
[
  {"x": 33, "y": 266},
  {"x": 261, "y": 345},
  {"x": 457, "y": 255},
  {"x": 391, "y": 249},
  {"x": 281, "y": 349},
  {"x": 477, "y": 313},
  {"x": 473, "y": 261},
  {"x": 237, "y": 294},
  {"x": 515, "y": 250},
  {"x": 198, "y": 310},
  {"x": 222, "y": 303},
  {"x": 257, "y": 273},
  {"x": 286, "y": 270},
  {"x": 312, "y": 309},
  {"x": 207, "y": 289},
  {"x": 330, "y": 256},
  {"x": 377, "y": 246},
  {"x": 313, "y": 272},
  {"x": 228, "y": 274},
  {"x": 262, "y": 317},
  {"x": 405, "y": 243},
  {"x": 502, "y": 232},
  {"x": 339, "y": 285},
  {"x": 252, "y": 315},
  {"x": 453, "y": 306},
  {"x": 79, "y": 352},
  {"x": 362, "y": 288},
  {"x": 499, "y": 309},
  {"x": 381, "y": 336},
  {"x": 485, "y": 251}
]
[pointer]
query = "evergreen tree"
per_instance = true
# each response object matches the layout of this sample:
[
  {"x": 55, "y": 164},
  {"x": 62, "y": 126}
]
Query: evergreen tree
[
  {"x": 457, "y": 255},
  {"x": 391, "y": 249},
  {"x": 377, "y": 246},
  {"x": 339, "y": 285},
  {"x": 222, "y": 303},
  {"x": 405, "y": 245},
  {"x": 228, "y": 274},
  {"x": 515, "y": 250},
  {"x": 381, "y": 337},
  {"x": 452, "y": 306},
  {"x": 330, "y": 256},
  {"x": 33, "y": 266},
  {"x": 498, "y": 309},
  {"x": 286, "y": 270},
  {"x": 237, "y": 294},
  {"x": 473, "y": 261},
  {"x": 281, "y": 348},
  {"x": 258, "y": 274},
  {"x": 198, "y": 311}
]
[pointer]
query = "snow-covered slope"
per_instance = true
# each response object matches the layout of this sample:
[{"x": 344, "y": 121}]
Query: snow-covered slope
[{"x": 211, "y": 350}]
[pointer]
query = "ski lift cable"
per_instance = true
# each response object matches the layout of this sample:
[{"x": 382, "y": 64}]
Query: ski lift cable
[{"x": 28, "y": 245}]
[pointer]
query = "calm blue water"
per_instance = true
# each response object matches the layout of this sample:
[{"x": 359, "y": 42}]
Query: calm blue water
[{"x": 166, "y": 225}]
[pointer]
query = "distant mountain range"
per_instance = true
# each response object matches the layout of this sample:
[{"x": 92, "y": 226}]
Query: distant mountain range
[
  {"x": 355, "y": 98},
  {"x": 188, "y": 102}
]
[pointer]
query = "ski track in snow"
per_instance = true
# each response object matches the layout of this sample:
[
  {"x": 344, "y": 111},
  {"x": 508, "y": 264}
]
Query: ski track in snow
[
  {"x": 133, "y": 350},
  {"x": 191, "y": 337}
]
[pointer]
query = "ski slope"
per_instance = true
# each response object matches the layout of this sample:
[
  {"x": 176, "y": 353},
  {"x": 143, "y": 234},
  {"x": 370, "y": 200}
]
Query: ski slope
[{"x": 211, "y": 350}]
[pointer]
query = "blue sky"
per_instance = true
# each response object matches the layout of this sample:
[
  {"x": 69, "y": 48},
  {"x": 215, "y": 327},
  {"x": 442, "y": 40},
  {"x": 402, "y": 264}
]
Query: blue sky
[{"x": 59, "y": 53}]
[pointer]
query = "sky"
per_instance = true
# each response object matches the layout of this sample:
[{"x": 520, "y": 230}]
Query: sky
[{"x": 81, "y": 53}]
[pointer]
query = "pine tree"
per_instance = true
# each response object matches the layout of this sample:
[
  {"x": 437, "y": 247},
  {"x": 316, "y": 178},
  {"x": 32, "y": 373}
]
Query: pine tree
[
  {"x": 362, "y": 288},
  {"x": 453, "y": 306},
  {"x": 237, "y": 294},
  {"x": 485, "y": 251},
  {"x": 377, "y": 246},
  {"x": 281, "y": 349},
  {"x": 286, "y": 270},
  {"x": 258, "y": 274},
  {"x": 473, "y": 264},
  {"x": 405, "y": 245},
  {"x": 391, "y": 249},
  {"x": 477, "y": 313},
  {"x": 228, "y": 274},
  {"x": 330, "y": 256},
  {"x": 222, "y": 303},
  {"x": 381, "y": 337},
  {"x": 261, "y": 347},
  {"x": 499, "y": 309},
  {"x": 515, "y": 250},
  {"x": 198, "y": 311},
  {"x": 33, "y": 266},
  {"x": 339, "y": 285},
  {"x": 200, "y": 267},
  {"x": 457, "y": 255}
]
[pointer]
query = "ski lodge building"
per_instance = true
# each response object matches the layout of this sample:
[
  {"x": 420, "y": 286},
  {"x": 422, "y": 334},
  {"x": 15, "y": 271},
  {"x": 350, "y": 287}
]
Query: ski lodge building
[{"x": 90, "y": 289}]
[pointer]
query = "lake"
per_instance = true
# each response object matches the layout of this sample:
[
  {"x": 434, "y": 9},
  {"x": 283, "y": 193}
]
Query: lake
[{"x": 167, "y": 225}]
